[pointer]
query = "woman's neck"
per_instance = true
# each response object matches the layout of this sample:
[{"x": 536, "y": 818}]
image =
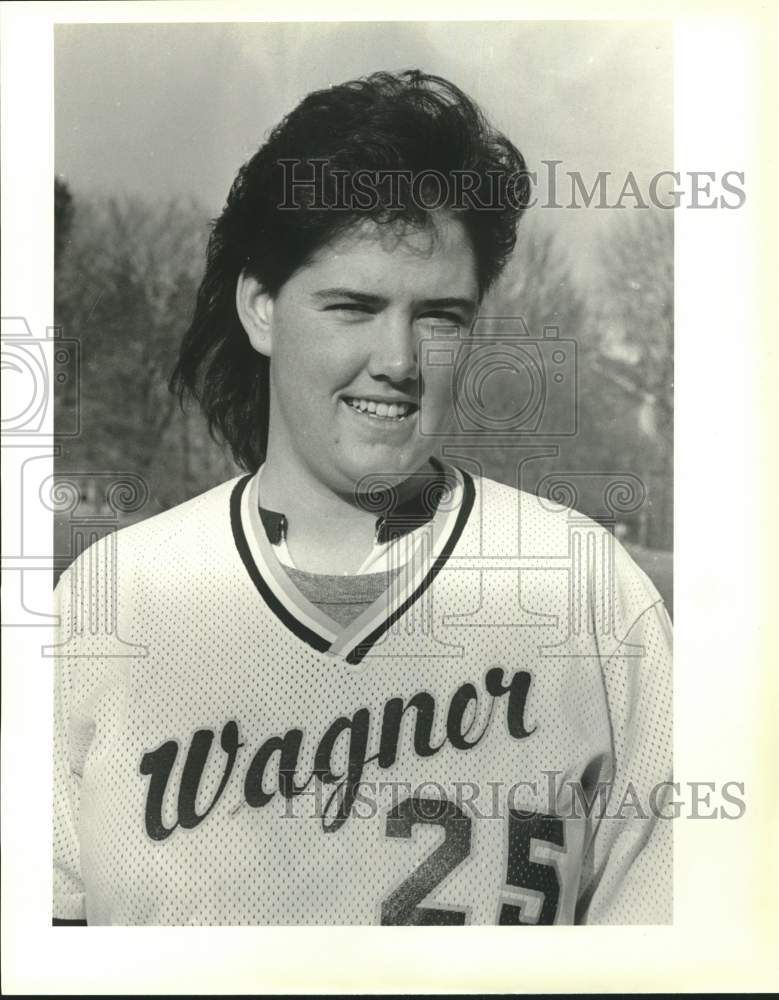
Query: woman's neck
[{"x": 327, "y": 531}]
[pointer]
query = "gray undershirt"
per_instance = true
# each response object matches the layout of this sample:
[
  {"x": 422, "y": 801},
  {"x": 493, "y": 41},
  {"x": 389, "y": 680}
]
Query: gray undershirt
[{"x": 342, "y": 598}]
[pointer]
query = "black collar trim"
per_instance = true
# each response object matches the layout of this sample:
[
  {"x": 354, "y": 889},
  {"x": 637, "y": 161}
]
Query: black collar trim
[
  {"x": 355, "y": 654},
  {"x": 292, "y": 623},
  {"x": 466, "y": 506},
  {"x": 400, "y": 519},
  {"x": 275, "y": 525}
]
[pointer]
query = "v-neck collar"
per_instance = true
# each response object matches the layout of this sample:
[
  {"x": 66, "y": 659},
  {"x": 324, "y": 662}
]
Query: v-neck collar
[{"x": 420, "y": 557}]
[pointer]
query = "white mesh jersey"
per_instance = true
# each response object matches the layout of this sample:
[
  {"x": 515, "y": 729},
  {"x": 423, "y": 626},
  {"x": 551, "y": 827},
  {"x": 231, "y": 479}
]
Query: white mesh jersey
[{"x": 488, "y": 743}]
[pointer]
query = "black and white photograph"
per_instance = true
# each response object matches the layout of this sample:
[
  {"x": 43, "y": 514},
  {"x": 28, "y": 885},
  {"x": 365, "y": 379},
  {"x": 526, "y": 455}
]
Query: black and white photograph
[
  {"x": 402, "y": 668},
  {"x": 353, "y": 421}
]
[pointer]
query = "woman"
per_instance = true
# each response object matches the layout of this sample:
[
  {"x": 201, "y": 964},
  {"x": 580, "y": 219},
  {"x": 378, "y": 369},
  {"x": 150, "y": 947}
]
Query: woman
[{"x": 311, "y": 666}]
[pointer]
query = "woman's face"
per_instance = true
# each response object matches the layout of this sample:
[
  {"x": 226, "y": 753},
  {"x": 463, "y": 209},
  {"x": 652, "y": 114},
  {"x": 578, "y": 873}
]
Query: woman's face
[{"x": 344, "y": 334}]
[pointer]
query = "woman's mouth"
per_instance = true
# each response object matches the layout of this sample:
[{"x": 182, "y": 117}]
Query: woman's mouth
[{"x": 376, "y": 410}]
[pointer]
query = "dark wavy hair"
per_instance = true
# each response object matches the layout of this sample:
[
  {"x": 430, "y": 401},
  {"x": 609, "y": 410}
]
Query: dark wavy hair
[{"x": 409, "y": 122}]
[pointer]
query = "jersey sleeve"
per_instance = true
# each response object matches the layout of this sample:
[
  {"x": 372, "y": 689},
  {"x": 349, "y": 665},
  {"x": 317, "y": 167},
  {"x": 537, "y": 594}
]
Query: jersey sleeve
[
  {"x": 69, "y": 897},
  {"x": 628, "y": 876}
]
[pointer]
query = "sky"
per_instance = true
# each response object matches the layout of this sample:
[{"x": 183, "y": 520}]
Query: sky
[{"x": 164, "y": 110}]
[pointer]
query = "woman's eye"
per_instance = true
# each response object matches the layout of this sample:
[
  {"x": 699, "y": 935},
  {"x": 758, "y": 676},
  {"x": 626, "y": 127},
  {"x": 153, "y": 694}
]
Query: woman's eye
[{"x": 351, "y": 307}]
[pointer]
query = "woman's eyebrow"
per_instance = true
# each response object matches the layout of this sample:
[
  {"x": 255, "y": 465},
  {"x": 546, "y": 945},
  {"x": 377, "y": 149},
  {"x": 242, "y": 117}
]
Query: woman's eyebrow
[
  {"x": 448, "y": 302},
  {"x": 349, "y": 293}
]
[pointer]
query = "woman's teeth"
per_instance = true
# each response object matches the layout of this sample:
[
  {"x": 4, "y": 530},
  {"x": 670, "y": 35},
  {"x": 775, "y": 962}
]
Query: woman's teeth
[{"x": 389, "y": 411}]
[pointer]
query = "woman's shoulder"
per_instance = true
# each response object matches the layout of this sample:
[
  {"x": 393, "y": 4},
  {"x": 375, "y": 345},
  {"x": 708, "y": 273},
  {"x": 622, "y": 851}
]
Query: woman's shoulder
[{"x": 184, "y": 531}]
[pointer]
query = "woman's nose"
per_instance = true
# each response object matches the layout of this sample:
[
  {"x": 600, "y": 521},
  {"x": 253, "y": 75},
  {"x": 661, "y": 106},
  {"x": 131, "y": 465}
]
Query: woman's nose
[{"x": 394, "y": 356}]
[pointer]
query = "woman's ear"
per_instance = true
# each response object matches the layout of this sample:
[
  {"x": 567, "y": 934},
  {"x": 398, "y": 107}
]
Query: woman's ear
[{"x": 255, "y": 311}]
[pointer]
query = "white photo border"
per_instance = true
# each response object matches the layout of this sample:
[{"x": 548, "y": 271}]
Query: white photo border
[{"x": 725, "y": 689}]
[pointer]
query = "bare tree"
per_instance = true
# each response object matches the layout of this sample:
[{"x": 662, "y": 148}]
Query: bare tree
[
  {"x": 636, "y": 345},
  {"x": 125, "y": 289}
]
